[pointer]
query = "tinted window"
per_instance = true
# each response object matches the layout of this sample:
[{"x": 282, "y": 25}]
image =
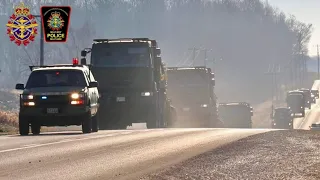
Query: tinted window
[
  {"x": 54, "y": 78},
  {"x": 121, "y": 55}
]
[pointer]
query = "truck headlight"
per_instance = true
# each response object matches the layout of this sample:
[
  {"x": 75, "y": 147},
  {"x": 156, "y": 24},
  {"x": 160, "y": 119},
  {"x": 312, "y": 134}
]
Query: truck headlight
[
  {"x": 146, "y": 94},
  {"x": 204, "y": 105}
]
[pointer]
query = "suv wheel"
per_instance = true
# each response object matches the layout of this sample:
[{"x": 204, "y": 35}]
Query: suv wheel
[
  {"x": 35, "y": 128},
  {"x": 23, "y": 126},
  {"x": 95, "y": 123},
  {"x": 86, "y": 123}
]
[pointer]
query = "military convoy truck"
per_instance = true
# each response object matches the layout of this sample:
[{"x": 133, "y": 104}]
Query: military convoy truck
[
  {"x": 192, "y": 92},
  {"x": 296, "y": 102},
  {"x": 236, "y": 114},
  {"x": 282, "y": 118},
  {"x": 132, "y": 82},
  {"x": 308, "y": 98}
]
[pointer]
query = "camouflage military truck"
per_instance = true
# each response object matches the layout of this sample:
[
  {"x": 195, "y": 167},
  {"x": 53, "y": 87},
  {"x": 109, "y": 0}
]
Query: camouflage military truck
[
  {"x": 236, "y": 114},
  {"x": 192, "y": 93},
  {"x": 131, "y": 80}
]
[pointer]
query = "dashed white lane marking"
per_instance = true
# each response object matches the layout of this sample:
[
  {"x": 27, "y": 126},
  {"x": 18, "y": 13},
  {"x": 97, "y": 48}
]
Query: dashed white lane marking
[
  {"x": 58, "y": 142},
  {"x": 30, "y": 145}
]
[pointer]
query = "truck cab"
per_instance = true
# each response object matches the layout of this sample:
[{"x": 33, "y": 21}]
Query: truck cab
[
  {"x": 296, "y": 102},
  {"x": 192, "y": 92},
  {"x": 282, "y": 118},
  {"x": 236, "y": 114},
  {"x": 129, "y": 71}
]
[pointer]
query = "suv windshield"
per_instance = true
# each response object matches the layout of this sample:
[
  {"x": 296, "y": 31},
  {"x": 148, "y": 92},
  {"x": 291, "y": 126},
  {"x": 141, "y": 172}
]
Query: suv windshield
[
  {"x": 121, "y": 55},
  {"x": 54, "y": 78}
]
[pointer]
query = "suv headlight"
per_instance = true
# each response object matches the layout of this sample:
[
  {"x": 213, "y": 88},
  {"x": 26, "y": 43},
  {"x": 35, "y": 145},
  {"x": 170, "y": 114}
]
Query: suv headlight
[
  {"x": 27, "y": 96},
  {"x": 146, "y": 94},
  {"x": 204, "y": 105},
  {"x": 77, "y": 95}
]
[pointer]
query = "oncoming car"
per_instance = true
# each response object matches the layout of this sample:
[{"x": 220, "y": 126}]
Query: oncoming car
[{"x": 59, "y": 95}]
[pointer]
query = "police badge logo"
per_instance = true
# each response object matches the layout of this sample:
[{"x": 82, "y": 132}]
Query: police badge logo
[
  {"x": 22, "y": 25},
  {"x": 55, "y": 20}
]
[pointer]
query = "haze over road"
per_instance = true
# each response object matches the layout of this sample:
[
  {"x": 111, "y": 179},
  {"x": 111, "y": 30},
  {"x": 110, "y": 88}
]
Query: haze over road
[{"x": 107, "y": 154}]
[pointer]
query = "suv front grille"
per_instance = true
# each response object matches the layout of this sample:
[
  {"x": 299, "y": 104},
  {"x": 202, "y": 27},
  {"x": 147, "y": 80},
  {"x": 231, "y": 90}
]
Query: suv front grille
[{"x": 52, "y": 100}]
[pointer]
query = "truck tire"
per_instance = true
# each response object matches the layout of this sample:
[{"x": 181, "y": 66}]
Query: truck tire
[
  {"x": 95, "y": 123},
  {"x": 35, "y": 128},
  {"x": 87, "y": 123},
  {"x": 23, "y": 126},
  {"x": 309, "y": 107},
  {"x": 303, "y": 114},
  {"x": 152, "y": 124}
]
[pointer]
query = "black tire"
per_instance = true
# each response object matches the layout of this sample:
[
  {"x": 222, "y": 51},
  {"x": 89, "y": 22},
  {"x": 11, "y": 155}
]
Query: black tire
[
  {"x": 303, "y": 114},
  {"x": 152, "y": 119},
  {"x": 23, "y": 126},
  {"x": 35, "y": 128},
  {"x": 87, "y": 124},
  {"x": 95, "y": 123},
  {"x": 309, "y": 107}
]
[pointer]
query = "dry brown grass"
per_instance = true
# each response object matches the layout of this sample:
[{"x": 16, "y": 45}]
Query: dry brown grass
[{"x": 8, "y": 121}]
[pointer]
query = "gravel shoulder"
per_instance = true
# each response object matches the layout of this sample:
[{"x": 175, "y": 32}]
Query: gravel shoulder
[{"x": 273, "y": 155}]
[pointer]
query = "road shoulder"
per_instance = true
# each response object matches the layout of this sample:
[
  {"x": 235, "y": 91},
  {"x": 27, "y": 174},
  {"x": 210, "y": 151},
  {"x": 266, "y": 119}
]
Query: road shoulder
[{"x": 272, "y": 155}]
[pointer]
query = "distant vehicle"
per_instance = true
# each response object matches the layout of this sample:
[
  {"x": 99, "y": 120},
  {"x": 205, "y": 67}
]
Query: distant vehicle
[
  {"x": 132, "y": 82},
  {"x": 282, "y": 118},
  {"x": 192, "y": 92},
  {"x": 59, "y": 95},
  {"x": 315, "y": 93},
  {"x": 315, "y": 127},
  {"x": 236, "y": 114},
  {"x": 313, "y": 99},
  {"x": 307, "y": 95},
  {"x": 296, "y": 102}
]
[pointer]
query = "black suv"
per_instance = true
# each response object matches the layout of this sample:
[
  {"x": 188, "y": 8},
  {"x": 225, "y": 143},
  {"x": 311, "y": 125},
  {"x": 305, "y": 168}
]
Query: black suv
[{"x": 59, "y": 95}]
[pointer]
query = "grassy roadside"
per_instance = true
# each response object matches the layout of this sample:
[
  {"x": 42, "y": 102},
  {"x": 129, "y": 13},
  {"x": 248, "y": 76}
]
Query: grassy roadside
[{"x": 8, "y": 122}]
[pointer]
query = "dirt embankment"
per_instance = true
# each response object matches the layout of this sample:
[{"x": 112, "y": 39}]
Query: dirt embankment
[{"x": 273, "y": 155}]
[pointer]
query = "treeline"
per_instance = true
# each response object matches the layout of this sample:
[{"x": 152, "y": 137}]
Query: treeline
[{"x": 244, "y": 37}]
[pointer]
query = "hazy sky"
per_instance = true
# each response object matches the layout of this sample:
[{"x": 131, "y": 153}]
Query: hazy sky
[{"x": 307, "y": 11}]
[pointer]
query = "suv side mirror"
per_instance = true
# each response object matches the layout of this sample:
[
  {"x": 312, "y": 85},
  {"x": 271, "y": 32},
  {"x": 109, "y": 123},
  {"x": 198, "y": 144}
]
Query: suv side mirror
[
  {"x": 83, "y": 53},
  {"x": 83, "y": 61},
  {"x": 20, "y": 86},
  {"x": 93, "y": 84}
]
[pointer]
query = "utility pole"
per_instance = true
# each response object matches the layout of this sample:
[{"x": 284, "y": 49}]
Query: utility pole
[
  {"x": 41, "y": 41},
  {"x": 194, "y": 49},
  {"x": 274, "y": 70},
  {"x": 205, "y": 55},
  {"x": 318, "y": 60}
]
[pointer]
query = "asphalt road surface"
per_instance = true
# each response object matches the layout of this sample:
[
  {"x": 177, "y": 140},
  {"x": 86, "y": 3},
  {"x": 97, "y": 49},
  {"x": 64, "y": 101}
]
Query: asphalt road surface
[{"x": 117, "y": 154}]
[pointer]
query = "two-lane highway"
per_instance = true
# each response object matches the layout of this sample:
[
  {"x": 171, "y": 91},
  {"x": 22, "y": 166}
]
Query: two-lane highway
[{"x": 107, "y": 154}]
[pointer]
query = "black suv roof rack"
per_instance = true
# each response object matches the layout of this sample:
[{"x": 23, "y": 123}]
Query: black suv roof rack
[{"x": 122, "y": 40}]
